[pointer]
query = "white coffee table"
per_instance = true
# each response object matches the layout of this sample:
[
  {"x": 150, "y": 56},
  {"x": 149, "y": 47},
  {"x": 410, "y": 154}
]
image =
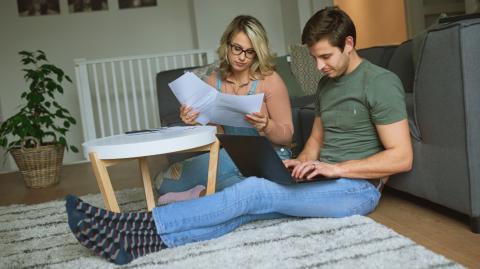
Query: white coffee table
[{"x": 108, "y": 151}]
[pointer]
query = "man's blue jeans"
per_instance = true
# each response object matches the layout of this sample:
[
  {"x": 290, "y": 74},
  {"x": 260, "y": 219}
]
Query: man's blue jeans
[{"x": 255, "y": 199}]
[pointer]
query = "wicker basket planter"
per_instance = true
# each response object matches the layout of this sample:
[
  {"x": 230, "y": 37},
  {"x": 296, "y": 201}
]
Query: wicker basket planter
[{"x": 40, "y": 166}]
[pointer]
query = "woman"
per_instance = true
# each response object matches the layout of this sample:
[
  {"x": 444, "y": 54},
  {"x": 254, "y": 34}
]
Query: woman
[{"x": 246, "y": 67}]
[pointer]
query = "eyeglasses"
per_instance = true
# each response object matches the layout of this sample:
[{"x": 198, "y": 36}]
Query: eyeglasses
[{"x": 237, "y": 50}]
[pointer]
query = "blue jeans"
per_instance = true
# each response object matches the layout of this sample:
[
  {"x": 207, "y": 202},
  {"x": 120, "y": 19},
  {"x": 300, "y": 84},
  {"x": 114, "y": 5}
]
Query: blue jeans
[
  {"x": 191, "y": 172},
  {"x": 256, "y": 199}
]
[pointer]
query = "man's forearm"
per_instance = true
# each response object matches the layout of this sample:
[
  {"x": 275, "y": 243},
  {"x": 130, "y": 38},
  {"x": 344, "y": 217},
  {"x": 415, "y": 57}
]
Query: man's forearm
[
  {"x": 312, "y": 147},
  {"x": 382, "y": 164},
  {"x": 310, "y": 151}
]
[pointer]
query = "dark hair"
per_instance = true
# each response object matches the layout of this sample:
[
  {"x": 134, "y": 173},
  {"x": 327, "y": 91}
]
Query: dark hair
[{"x": 331, "y": 23}]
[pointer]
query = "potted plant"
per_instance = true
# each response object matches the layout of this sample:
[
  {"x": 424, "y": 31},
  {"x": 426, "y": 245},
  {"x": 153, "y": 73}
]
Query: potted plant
[{"x": 35, "y": 136}]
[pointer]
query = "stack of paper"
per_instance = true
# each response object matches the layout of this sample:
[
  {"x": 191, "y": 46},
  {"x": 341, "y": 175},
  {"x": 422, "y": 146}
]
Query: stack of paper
[{"x": 214, "y": 107}]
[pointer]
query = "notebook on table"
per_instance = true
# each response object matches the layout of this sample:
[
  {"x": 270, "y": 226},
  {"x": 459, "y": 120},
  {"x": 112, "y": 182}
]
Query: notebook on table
[{"x": 255, "y": 156}]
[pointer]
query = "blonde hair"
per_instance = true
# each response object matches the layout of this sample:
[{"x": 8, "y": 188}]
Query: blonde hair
[{"x": 263, "y": 63}]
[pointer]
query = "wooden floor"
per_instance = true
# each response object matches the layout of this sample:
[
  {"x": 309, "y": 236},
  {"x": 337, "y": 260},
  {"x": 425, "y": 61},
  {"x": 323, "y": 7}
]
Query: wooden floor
[{"x": 438, "y": 229}]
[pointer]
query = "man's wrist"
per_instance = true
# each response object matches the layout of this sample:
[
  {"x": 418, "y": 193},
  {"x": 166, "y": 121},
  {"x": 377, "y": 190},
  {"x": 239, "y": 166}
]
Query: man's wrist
[
  {"x": 303, "y": 158},
  {"x": 340, "y": 169}
]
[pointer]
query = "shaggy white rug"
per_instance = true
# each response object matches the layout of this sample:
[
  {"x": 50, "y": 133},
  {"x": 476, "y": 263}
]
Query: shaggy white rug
[{"x": 37, "y": 236}]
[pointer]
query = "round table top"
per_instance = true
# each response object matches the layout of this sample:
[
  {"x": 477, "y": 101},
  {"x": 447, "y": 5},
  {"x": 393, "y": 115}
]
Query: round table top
[{"x": 165, "y": 140}]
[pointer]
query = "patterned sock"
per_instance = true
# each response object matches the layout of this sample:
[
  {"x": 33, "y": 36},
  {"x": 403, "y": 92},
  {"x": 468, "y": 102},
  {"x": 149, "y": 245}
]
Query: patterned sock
[
  {"x": 91, "y": 239},
  {"x": 117, "y": 247},
  {"x": 171, "y": 197},
  {"x": 132, "y": 235},
  {"x": 120, "y": 221}
]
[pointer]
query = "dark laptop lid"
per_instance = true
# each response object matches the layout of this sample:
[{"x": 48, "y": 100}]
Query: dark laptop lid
[{"x": 255, "y": 156}]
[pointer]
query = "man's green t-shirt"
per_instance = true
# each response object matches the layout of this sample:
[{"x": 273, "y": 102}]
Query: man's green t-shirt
[{"x": 350, "y": 106}]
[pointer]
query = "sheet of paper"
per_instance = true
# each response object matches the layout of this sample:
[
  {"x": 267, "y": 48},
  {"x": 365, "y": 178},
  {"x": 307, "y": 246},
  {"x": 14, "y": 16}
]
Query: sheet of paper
[
  {"x": 231, "y": 109},
  {"x": 192, "y": 91},
  {"x": 214, "y": 107}
]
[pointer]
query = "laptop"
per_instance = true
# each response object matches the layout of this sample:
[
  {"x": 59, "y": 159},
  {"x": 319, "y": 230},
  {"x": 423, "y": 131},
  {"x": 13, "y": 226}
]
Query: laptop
[{"x": 255, "y": 156}]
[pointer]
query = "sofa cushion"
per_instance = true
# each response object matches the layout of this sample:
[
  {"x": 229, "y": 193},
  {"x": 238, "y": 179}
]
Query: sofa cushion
[
  {"x": 282, "y": 65},
  {"x": 401, "y": 64},
  {"x": 379, "y": 55},
  {"x": 304, "y": 68}
]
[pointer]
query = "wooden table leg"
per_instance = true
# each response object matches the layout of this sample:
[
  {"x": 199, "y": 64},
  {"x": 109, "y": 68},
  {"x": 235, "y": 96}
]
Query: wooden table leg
[
  {"x": 212, "y": 167},
  {"x": 104, "y": 183},
  {"x": 147, "y": 183}
]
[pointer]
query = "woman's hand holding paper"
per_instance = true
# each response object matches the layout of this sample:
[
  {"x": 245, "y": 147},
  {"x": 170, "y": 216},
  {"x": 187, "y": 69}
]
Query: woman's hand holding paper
[
  {"x": 187, "y": 115},
  {"x": 258, "y": 120}
]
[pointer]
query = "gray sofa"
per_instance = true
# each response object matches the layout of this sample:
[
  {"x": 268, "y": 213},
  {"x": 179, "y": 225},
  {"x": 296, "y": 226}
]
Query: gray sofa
[
  {"x": 443, "y": 103},
  {"x": 446, "y": 112}
]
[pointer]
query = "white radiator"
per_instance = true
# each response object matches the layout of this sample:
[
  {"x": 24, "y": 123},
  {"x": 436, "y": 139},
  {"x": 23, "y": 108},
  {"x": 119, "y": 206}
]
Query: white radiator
[{"x": 119, "y": 94}]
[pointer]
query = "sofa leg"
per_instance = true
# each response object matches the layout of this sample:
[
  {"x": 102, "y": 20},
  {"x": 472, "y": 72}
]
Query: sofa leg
[{"x": 475, "y": 224}]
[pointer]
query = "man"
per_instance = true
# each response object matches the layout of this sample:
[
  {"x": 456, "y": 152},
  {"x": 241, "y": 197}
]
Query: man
[
  {"x": 361, "y": 128},
  {"x": 360, "y": 135}
]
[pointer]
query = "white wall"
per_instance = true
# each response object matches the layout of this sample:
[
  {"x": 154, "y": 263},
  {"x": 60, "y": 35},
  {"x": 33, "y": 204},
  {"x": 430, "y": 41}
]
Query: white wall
[
  {"x": 172, "y": 25},
  {"x": 295, "y": 16},
  {"x": 213, "y": 16},
  {"x": 283, "y": 19},
  {"x": 291, "y": 22}
]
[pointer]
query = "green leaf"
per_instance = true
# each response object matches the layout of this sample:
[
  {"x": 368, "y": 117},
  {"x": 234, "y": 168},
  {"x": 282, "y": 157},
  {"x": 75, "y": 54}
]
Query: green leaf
[
  {"x": 51, "y": 85},
  {"x": 26, "y": 53},
  {"x": 48, "y": 68},
  {"x": 41, "y": 57},
  {"x": 60, "y": 75},
  {"x": 27, "y": 61},
  {"x": 66, "y": 124},
  {"x": 36, "y": 98},
  {"x": 74, "y": 149}
]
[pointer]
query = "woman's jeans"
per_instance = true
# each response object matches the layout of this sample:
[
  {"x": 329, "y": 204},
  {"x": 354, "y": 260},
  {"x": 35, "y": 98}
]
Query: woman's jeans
[
  {"x": 191, "y": 172},
  {"x": 256, "y": 199}
]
